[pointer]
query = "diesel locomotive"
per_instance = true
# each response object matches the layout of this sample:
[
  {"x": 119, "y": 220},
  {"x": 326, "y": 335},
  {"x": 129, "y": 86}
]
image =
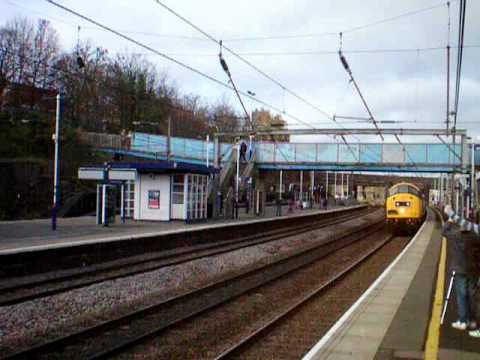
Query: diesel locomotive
[{"x": 405, "y": 207}]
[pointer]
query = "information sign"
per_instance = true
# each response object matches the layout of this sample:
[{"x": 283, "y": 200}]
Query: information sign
[{"x": 154, "y": 199}]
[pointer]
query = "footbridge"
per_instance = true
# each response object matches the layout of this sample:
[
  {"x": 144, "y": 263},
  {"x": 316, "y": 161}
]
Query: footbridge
[
  {"x": 439, "y": 156},
  {"x": 433, "y": 157}
]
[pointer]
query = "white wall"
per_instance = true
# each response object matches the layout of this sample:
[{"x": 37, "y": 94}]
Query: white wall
[{"x": 144, "y": 183}]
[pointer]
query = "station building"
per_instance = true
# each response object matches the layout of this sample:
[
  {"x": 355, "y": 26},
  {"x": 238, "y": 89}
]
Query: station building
[{"x": 156, "y": 191}]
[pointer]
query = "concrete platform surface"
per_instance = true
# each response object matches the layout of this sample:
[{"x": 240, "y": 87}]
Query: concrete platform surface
[
  {"x": 30, "y": 234},
  {"x": 370, "y": 329}
]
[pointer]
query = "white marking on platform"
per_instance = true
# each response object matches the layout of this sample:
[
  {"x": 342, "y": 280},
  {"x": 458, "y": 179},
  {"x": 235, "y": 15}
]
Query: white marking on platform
[{"x": 324, "y": 340}]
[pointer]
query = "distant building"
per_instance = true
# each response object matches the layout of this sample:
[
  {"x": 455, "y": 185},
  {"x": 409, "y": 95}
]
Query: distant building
[{"x": 263, "y": 120}]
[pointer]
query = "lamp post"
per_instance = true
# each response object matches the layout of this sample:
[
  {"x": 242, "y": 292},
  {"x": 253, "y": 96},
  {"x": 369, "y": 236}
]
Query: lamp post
[
  {"x": 473, "y": 197},
  {"x": 207, "y": 146},
  {"x": 56, "y": 173},
  {"x": 237, "y": 179},
  {"x": 252, "y": 94}
]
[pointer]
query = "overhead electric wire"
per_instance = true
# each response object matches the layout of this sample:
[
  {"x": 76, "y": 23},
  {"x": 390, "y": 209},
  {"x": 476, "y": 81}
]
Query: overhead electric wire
[
  {"x": 394, "y": 18},
  {"x": 352, "y": 79},
  {"x": 448, "y": 69},
  {"x": 169, "y": 58},
  {"x": 349, "y": 147},
  {"x": 188, "y": 67},
  {"x": 348, "y": 30},
  {"x": 371, "y": 118},
  {"x": 136, "y": 32},
  {"x": 225, "y": 68},
  {"x": 406, "y": 151},
  {"x": 452, "y": 150},
  {"x": 322, "y": 52},
  {"x": 40, "y": 13},
  {"x": 253, "y": 38},
  {"x": 218, "y": 42},
  {"x": 280, "y": 37},
  {"x": 355, "y": 51},
  {"x": 103, "y": 27},
  {"x": 166, "y": 36},
  {"x": 461, "y": 32},
  {"x": 335, "y": 52},
  {"x": 253, "y": 66}
]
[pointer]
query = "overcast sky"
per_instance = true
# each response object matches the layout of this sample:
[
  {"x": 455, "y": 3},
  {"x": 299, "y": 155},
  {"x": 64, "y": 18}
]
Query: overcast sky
[{"x": 407, "y": 86}]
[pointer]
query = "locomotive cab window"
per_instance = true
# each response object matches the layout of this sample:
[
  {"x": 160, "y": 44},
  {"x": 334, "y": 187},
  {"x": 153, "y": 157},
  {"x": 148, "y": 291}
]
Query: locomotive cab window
[{"x": 403, "y": 189}]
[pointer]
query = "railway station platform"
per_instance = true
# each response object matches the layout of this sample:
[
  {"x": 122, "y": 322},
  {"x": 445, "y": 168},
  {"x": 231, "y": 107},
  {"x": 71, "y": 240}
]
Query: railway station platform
[
  {"x": 31, "y": 235},
  {"x": 398, "y": 317}
]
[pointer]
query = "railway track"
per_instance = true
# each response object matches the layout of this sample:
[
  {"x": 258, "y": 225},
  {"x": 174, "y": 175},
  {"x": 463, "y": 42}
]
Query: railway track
[
  {"x": 276, "y": 321},
  {"x": 34, "y": 287},
  {"x": 113, "y": 337},
  {"x": 235, "y": 349}
]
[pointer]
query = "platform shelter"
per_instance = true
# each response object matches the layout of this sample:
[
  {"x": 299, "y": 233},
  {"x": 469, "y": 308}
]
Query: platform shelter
[{"x": 157, "y": 191}]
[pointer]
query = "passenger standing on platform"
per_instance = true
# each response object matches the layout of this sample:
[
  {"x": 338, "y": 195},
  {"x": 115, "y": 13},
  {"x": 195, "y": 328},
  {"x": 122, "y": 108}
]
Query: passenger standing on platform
[
  {"x": 243, "y": 151},
  {"x": 291, "y": 197},
  {"x": 464, "y": 281},
  {"x": 323, "y": 197},
  {"x": 472, "y": 249},
  {"x": 278, "y": 204},
  {"x": 471, "y": 237}
]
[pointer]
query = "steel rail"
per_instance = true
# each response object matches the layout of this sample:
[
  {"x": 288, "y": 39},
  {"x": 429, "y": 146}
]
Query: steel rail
[
  {"x": 295, "y": 306},
  {"x": 117, "y": 335},
  {"x": 47, "y": 287}
]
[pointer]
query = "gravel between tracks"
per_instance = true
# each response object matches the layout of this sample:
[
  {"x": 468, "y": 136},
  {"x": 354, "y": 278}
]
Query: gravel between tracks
[
  {"x": 209, "y": 334},
  {"x": 32, "y": 322},
  {"x": 298, "y": 333}
]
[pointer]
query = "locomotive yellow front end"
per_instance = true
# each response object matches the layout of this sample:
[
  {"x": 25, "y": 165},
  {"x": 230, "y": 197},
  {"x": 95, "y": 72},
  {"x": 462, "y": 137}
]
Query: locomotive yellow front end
[{"x": 404, "y": 207}]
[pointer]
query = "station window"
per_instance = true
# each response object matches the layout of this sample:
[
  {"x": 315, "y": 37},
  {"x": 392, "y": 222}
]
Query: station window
[
  {"x": 197, "y": 196},
  {"x": 129, "y": 198},
  {"x": 178, "y": 189}
]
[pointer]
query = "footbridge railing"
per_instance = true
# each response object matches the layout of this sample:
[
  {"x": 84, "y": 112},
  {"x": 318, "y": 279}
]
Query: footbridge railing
[
  {"x": 408, "y": 157},
  {"x": 156, "y": 147},
  {"x": 365, "y": 156}
]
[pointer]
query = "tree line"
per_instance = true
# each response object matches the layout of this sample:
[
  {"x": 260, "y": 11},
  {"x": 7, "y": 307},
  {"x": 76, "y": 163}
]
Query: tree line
[{"x": 103, "y": 92}]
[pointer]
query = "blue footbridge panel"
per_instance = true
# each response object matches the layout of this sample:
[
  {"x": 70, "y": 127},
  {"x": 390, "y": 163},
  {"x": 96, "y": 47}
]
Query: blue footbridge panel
[
  {"x": 392, "y": 157},
  {"x": 310, "y": 156}
]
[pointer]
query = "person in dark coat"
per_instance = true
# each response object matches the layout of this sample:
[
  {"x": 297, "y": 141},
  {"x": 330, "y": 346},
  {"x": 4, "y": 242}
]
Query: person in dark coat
[
  {"x": 243, "y": 151},
  {"x": 323, "y": 197},
  {"x": 278, "y": 204},
  {"x": 471, "y": 238},
  {"x": 472, "y": 251},
  {"x": 458, "y": 243}
]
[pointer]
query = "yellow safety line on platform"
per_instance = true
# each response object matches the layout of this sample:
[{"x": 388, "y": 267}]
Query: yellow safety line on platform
[{"x": 431, "y": 346}]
